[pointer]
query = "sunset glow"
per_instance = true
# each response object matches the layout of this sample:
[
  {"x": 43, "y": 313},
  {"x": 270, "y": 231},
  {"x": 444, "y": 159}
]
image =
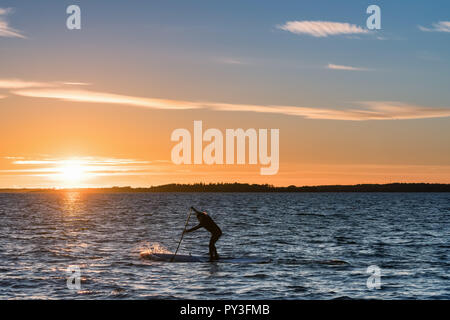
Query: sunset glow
[
  {"x": 352, "y": 105},
  {"x": 72, "y": 172}
]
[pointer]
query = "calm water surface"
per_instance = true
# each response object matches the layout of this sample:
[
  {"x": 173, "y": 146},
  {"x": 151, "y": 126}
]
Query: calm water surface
[{"x": 320, "y": 245}]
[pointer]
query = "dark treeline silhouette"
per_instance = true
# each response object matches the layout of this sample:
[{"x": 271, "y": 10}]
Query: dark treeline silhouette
[{"x": 245, "y": 187}]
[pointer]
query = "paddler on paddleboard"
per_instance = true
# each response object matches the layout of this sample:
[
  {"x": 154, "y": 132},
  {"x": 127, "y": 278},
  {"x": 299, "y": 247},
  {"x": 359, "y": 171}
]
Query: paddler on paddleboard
[{"x": 208, "y": 223}]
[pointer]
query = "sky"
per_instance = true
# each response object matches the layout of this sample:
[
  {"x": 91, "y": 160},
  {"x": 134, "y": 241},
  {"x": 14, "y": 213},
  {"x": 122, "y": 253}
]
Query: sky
[{"x": 96, "y": 107}]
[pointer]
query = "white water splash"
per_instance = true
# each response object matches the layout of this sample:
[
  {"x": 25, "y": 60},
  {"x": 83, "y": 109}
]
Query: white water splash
[{"x": 152, "y": 247}]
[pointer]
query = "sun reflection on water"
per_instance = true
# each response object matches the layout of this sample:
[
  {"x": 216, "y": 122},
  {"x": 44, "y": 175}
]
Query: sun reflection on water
[{"x": 71, "y": 202}]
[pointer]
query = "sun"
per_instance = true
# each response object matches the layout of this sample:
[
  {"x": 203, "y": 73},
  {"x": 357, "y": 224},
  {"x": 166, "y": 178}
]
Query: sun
[{"x": 71, "y": 172}]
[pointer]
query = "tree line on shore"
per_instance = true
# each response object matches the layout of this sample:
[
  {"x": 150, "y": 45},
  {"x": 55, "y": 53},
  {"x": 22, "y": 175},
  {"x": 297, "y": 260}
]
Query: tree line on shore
[{"x": 245, "y": 187}]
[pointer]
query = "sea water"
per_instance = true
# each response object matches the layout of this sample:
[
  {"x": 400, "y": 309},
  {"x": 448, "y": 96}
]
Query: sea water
[{"x": 319, "y": 245}]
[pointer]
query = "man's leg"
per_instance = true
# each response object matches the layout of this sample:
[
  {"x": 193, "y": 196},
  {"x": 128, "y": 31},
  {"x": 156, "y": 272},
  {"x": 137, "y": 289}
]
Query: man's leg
[
  {"x": 211, "y": 248},
  {"x": 213, "y": 241}
]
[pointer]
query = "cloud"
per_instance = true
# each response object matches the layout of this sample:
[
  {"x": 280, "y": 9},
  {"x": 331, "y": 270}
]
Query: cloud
[
  {"x": 80, "y": 161},
  {"x": 322, "y": 28},
  {"x": 20, "y": 84},
  {"x": 441, "y": 26},
  {"x": 230, "y": 61},
  {"x": 369, "y": 110},
  {"x": 365, "y": 110},
  {"x": 2, "y": 96},
  {"x": 91, "y": 166},
  {"x": 400, "y": 110},
  {"x": 5, "y": 29},
  {"x": 347, "y": 68},
  {"x": 76, "y": 83},
  {"x": 101, "y": 97}
]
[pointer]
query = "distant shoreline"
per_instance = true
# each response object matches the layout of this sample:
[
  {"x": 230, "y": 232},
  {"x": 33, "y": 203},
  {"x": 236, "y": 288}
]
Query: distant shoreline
[{"x": 244, "y": 187}]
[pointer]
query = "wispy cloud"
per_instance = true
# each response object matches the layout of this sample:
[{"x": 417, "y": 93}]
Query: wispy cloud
[
  {"x": 20, "y": 84},
  {"x": 441, "y": 26},
  {"x": 346, "y": 68},
  {"x": 366, "y": 110},
  {"x": 2, "y": 96},
  {"x": 369, "y": 110},
  {"x": 5, "y": 29},
  {"x": 110, "y": 98},
  {"x": 322, "y": 28},
  {"x": 80, "y": 161},
  {"x": 91, "y": 166},
  {"x": 76, "y": 83},
  {"x": 230, "y": 61}
]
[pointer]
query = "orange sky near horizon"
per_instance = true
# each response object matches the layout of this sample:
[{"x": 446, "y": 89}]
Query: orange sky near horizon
[
  {"x": 96, "y": 107},
  {"x": 128, "y": 146}
]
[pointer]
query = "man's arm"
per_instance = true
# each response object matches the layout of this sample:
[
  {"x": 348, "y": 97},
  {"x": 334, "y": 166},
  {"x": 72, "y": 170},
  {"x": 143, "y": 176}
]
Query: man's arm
[
  {"x": 193, "y": 229},
  {"x": 196, "y": 211}
]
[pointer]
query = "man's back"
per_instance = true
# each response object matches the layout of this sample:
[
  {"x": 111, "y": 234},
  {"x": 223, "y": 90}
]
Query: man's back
[{"x": 210, "y": 225}]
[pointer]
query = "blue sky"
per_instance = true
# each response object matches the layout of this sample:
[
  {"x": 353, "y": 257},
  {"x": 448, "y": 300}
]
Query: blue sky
[{"x": 177, "y": 37}]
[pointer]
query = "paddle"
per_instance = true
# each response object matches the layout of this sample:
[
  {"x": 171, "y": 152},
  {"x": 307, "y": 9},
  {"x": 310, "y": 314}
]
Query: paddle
[{"x": 182, "y": 235}]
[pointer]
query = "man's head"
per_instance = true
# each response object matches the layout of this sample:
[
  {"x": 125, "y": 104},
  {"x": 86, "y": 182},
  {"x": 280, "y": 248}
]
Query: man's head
[{"x": 201, "y": 215}]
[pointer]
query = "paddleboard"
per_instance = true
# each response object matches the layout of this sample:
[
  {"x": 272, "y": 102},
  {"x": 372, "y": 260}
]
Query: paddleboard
[{"x": 169, "y": 257}]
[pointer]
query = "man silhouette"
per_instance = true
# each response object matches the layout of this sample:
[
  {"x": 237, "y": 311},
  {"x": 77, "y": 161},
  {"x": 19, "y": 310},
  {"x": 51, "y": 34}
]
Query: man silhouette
[{"x": 208, "y": 223}]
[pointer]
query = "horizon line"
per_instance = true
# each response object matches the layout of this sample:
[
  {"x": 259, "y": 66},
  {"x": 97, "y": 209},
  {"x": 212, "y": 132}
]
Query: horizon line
[{"x": 219, "y": 184}]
